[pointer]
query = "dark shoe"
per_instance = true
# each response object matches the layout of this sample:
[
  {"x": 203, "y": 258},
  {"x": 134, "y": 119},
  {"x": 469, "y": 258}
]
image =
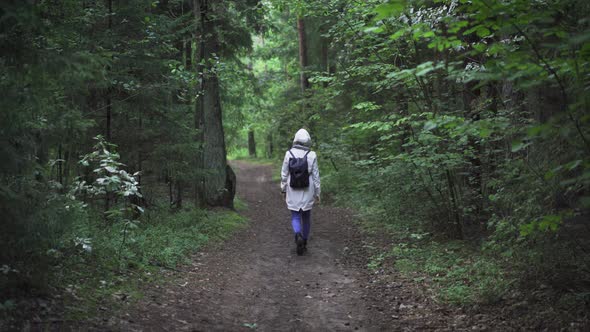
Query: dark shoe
[
  {"x": 300, "y": 244},
  {"x": 304, "y": 244}
]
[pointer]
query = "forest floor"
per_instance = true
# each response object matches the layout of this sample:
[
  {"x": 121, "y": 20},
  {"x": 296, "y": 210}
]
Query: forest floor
[{"x": 255, "y": 280}]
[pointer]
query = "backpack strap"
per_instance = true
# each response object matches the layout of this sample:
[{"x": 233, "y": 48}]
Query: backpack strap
[{"x": 304, "y": 156}]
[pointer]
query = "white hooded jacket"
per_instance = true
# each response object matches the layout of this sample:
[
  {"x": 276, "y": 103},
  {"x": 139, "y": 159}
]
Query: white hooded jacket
[{"x": 301, "y": 199}]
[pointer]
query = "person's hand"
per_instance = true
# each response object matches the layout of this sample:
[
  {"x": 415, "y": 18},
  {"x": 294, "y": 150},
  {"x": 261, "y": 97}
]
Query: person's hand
[
  {"x": 317, "y": 199},
  {"x": 284, "y": 194}
]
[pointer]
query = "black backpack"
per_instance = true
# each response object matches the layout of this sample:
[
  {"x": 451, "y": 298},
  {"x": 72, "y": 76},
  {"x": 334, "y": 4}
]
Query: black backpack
[{"x": 299, "y": 172}]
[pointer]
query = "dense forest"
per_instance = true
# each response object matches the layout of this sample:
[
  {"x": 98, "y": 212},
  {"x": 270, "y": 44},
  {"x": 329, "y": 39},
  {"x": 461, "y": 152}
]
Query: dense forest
[{"x": 459, "y": 129}]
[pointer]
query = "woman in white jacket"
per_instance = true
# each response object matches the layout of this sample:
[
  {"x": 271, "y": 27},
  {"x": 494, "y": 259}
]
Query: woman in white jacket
[{"x": 300, "y": 200}]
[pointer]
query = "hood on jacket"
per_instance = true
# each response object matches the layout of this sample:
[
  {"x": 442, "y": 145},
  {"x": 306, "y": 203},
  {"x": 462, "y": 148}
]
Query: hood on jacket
[{"x": 302, "y": 137}]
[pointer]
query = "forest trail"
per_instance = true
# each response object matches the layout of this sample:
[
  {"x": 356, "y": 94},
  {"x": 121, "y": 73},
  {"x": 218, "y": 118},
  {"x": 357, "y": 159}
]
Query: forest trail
[{"x": 255, "y": 280}]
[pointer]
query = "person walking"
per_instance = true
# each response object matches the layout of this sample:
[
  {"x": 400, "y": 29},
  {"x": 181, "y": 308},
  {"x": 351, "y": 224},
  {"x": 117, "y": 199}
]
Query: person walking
[{"x": 300, "y": 186}]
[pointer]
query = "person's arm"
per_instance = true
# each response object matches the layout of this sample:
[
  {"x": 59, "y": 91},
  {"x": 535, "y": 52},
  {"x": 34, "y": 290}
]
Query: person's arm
[
  {"x": 285, "y": 173},
  {"x": 315, "y": 175}
]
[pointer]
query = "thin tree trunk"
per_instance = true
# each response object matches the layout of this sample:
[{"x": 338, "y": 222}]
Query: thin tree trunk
[
  {"x": 270, "y": 145},
  {"x": 110, "y": 18},
  {"x": 170, "y": 186},
  {"x": 251, "y": 144},
  {"x": 108, "y": 98},
  {"x": 458, "y": 227},
  {"x": 188, "y": 61},
  {"x": 107, "y": 199},
  {"x": 324, "y": 58},
  {"x": 108, "y": 132},
  {"x": 59, "y": 165},
  {"x": 140, "y": 148},
  {"x": 66, "y": 168},
  {"x": 304, "y": 83},
  {"x": 178, "y": 194}
]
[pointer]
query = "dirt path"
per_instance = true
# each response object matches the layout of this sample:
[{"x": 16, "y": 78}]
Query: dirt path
[{"x": 256, "y": 278}]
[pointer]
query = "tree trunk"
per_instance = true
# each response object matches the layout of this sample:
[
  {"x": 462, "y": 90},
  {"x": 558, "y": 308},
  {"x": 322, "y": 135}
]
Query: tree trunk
[
  {"x": 108, "y": 132},
  {"x": 170, "y": 186},
  {"x": 325, "y": 61},
  {"x": 108, "y": 98},
  {"x": 199, "y": 107},
  {"x": 110, "y": 19},
  {"x": 251, "y": 144},
  {"x": 471, "y": 94},
  {"x": 66, "y": 168},
  {"x": 217, "y": 184},
  {"x": 457, "y": 229},
  {"x": 178, "y": 194},
  {"x": 304, "y": 83},
  {"x": 270, "y": 145},
  {"x": 188, "y": 64},
  {"x": 140, "y": 148},
  {"x": 59, "y": 165},
  {"x": 188, "y": 61},
  {"x": 107, "y": 199}
]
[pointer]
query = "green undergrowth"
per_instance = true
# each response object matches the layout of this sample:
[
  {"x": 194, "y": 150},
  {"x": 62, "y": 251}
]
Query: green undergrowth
[
  {"x": 108, "y": 265},
  {"x": 164, "y": 241},
  {"x": 486, "y": 270},
  {"x": 458, "y": 272}
]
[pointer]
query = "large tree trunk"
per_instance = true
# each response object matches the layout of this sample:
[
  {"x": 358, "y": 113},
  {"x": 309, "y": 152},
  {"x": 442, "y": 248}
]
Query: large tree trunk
[
  {"x": 216, "y": 186},
  {"x": 302, "y": 54}
]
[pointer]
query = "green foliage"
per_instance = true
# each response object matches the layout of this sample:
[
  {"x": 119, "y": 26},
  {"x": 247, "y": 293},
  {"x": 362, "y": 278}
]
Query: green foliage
[
  {"x": 126, "y": 74},
  {"x": 110, "y": 179},
  {"x": 457, "y": 273},
  {"x": 465, "y": 120}
]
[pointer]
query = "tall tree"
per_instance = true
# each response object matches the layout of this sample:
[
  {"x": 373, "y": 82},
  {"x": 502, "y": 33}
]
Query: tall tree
[{"x": 216, "y": 185}]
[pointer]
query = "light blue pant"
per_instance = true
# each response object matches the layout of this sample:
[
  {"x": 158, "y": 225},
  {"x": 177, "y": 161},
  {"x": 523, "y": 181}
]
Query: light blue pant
[{"x": 301, "y": 219}]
